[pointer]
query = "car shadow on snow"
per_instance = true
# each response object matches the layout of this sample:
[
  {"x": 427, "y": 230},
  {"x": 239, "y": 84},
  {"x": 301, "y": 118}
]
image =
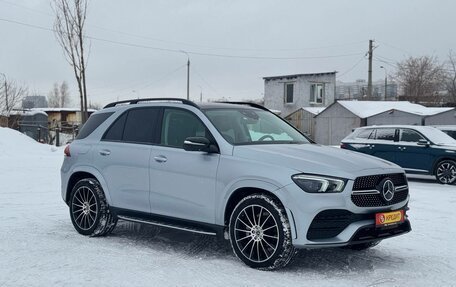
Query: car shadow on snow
[{"x": 335, "y": 261}]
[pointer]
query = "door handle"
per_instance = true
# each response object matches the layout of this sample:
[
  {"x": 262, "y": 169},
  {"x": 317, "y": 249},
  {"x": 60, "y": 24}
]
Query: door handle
[
  {"x": 160, "y": 158},
  {"x": 105, "y": 152}
]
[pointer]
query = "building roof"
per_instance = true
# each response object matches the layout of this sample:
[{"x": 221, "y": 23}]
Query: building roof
[
  {"x": 314, "y": 110},
  {"x": 298, "y": 75},
  {"x": 365, "y": 109}
]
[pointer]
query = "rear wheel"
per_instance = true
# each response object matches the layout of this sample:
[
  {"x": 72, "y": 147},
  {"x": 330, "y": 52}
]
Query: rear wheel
[
  {"x": 89, "y": 210},
  {"x": 260, "y": 233},
  {"x": 445, "y": 172}
]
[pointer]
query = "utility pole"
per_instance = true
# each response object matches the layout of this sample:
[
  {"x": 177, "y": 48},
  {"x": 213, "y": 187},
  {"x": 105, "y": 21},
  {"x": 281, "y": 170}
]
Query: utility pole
[
  {"x": 188, "y": 78},
  {"x": 369, "y": 75}
]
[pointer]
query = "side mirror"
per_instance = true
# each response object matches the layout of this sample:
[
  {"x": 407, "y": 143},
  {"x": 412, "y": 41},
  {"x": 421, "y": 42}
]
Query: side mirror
[
  {"x": 200, "y": 144},
  {"x": 424, "y": 142}
]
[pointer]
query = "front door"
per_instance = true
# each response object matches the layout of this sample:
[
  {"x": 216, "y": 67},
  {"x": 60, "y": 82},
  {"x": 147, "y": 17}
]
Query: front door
[
  {"x": 410, "y": 155},
  {"x": 182, "y": 183}
]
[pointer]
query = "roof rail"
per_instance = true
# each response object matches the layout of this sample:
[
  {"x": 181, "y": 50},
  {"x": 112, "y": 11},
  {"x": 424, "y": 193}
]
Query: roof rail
[
  {"x": 135, "y": 101},
  {"x": 247, "y": 104}
]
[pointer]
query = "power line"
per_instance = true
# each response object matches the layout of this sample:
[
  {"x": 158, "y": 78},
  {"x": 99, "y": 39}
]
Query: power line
[
  {"x": 394, "y": 47},
  {"x": 196, "y": 45},
  {"x": 353, "y": 67},
  {"x": 204, "y": 80},
  {"x": 143, "y": 86},
  {"x": 128, "y": 44}
]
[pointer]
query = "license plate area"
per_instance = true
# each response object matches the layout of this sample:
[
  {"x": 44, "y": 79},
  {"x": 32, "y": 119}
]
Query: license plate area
[{"x": 389, "y": 218}]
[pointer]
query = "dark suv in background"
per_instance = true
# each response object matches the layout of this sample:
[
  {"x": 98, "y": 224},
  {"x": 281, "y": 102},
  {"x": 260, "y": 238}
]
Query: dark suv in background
[{"x": 418, "y": 149}]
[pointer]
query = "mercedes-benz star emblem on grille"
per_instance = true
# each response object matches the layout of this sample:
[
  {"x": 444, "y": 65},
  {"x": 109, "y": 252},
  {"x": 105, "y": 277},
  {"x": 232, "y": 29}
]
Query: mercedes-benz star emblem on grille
[{"x": 388, "y": 190}]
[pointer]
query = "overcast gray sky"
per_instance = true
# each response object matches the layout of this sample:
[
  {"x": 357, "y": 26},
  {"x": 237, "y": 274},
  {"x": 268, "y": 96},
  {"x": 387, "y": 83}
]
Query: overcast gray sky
[{"x": 244, "y": 40}]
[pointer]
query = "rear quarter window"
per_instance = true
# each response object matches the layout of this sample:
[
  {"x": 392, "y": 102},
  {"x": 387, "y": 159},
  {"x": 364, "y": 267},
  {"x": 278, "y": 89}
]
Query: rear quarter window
[
  {"x": 94, "y": 121},
  {"x": 365, "y": 134}
]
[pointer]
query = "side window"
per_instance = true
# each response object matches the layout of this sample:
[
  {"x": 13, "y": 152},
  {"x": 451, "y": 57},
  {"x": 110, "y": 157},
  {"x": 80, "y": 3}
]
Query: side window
[
  {"x": 365, "y": 134},
  {"x": 385, "y": 134},
  {"x": 410, "y": 136},
  {"x": 177, "y": 125},
  {"x": 140, "y": 125},
  {"x": 92, "y": 123},
  {"x": 115, "y": 131},
  {"x": 289, "y": 89},
  {"x": 135, "y": 126}
]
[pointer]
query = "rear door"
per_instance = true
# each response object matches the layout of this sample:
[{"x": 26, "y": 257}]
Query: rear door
[
  {"x": 123, "y": 157},
  {"x": 384, "y": 145},
  {"x": 182, "y": 182},
  {"x": 410, "y": 155}
]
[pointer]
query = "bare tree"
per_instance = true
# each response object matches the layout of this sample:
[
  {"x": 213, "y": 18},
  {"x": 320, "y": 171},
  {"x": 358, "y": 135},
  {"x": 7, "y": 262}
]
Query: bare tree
[
  {"x": 451, "y": 82},
  {"x": 54, "y": 97},
  {"x": 11, "y": 95},
  {"x": 69, "y": 29},
  {"x": 421, "y": 80},
  {"x": 59, "y": 96},
  {"x": 65, "y": 99}
]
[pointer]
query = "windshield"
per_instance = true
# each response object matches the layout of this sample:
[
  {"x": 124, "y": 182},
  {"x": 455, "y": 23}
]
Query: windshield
[
  {"x": 437, "y": 136},
  {"x": 248, "y": 126}
]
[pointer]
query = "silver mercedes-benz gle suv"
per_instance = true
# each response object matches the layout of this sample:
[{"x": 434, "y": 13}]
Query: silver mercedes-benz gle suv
[{"x": 231, "y": 169}]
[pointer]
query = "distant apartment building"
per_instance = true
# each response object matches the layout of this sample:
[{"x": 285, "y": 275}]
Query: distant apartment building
[
  {"x": 30, "y": 102},
  {"x": 289, "y": 93},
  {"x": 358, "y": 90}
]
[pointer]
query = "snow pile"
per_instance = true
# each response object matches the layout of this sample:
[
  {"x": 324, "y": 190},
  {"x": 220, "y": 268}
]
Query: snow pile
[{"x": 13, "y": 142}]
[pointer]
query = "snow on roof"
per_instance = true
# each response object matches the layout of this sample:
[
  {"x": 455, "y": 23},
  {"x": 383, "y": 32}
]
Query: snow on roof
[
  {"x": 314, "y": 110},
  {"x": 28, "y": 113},
  {"x": 365, "y": 109},
  {"x": 62, "y": 109}
]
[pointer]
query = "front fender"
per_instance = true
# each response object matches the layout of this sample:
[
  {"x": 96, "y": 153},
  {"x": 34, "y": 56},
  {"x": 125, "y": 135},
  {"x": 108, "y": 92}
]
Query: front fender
[{"x": 242, "y": 183}]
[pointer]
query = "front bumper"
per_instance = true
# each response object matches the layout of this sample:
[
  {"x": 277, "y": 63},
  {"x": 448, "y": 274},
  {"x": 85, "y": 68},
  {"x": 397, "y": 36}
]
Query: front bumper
[{"x": 350, "y": 224}]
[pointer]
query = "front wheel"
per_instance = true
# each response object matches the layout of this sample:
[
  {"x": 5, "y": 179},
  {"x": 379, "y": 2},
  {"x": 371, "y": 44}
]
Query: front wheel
[
  {"x": 445, "y": 172},
  {"x": 260, "y": 233},
  {"x": 89, "y": 210}
]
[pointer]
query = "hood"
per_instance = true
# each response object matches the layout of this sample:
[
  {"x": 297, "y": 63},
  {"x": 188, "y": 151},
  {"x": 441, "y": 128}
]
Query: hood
[{"x": 312, "y": 158}]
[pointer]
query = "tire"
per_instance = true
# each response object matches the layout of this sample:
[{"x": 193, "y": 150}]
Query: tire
[
  {"x": 362, "y": 246},
  {"x": 445, "y": 172},
  {"x": 260, "y": 233},
  {"x": 89, "y": 210}
]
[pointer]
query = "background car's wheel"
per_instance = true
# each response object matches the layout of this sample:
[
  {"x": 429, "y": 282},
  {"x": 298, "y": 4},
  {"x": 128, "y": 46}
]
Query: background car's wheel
[
  {"x": 362, "y": 246},
  {"x": 260, "y": 233},
  {"x": 445, "y": 172},
  {"x": 88, "y": 209}
]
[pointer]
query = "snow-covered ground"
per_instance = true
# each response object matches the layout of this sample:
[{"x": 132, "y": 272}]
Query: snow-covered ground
[{"x": 39, "y": 247}]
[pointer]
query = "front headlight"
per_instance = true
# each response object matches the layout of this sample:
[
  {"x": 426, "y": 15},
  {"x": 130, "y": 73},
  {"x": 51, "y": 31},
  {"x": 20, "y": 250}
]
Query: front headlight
[{"x": 319, "y": 184}]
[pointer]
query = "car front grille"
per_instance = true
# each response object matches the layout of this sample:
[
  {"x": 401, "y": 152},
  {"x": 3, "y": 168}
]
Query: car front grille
[
  {"x": 367, "y": 192},
  {"x": 371, "y": 181}
]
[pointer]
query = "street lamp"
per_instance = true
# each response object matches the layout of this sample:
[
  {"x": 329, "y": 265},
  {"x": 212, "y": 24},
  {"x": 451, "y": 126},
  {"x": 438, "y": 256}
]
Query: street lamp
[
  {"x": 201, "y": 93},
  {"x": 386, "y": 79}
]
